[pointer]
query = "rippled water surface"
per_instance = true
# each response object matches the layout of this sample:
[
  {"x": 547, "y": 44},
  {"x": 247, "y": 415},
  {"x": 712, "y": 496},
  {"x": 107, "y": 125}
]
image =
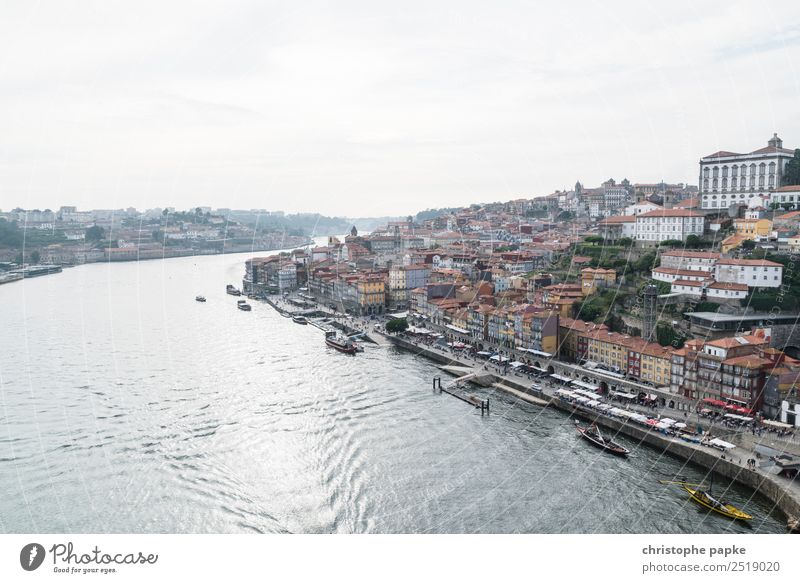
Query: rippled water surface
[{"x": 126, "y": 406}]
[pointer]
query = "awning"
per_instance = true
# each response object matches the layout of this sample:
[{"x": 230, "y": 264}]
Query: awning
[
  {"x": 564, "y": 392},
  {"x": 778, "y": 424},
  {"x": 537, "y": 352},
  {"x": 558, "y": 377},
  {"x": 720, "y": 443},
  {"x": 457, "y": 329},
  {"x": 484, "y": 353},
  {"x": 585, "y": 385},
  {"x": 714, "y": 402},
  {"x": 517, "y": 364}
]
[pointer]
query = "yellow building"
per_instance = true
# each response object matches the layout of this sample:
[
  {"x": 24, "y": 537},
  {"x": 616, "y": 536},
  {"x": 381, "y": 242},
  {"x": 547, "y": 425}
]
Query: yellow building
[
  {"x": 371, "y": 292},
  {"x": 656, "y": 364},
  {"x": 752, "y": 228},
  {"x": 592, "y": 278},
  {"x": 730, "y": 243}
]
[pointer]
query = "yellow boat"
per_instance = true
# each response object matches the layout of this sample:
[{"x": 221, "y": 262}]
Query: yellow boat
[{"x": 707, "y": 501}]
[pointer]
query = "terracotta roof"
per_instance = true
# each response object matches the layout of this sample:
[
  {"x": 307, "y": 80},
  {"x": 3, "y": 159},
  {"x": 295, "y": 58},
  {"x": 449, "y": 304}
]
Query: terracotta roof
[
  {"x": 749, "y": 262},
  {"x": 728, "y": 285},
  {"x": 729, "y": 342},
  {"x": 695, "y": 254},
  {"x": 618, "y": 220},
  {"x": 676, "y": 212},
  {"x": 721, "y": 154},
  {"x": 688, "y": 282},
  {"x": 772, "y": 150},
  {"x": 790, "y": 188},
  {"x": 688, "y": 203},
  {"x": 747, "y": 361}
]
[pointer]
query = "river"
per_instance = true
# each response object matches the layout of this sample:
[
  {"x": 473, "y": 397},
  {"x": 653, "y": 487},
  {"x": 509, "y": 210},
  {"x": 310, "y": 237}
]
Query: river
[{"x": 127, "y": 407}]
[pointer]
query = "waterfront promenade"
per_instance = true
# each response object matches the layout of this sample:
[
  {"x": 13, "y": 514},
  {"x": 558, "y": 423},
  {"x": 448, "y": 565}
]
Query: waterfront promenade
[{"x": 783, "y": 492}]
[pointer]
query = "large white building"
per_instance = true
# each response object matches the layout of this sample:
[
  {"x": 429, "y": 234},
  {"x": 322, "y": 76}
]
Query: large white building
[
  {"x": 752, "y": 272},
  {"x": 728, "y": 178},
  {"x": 664, "y": 224}
]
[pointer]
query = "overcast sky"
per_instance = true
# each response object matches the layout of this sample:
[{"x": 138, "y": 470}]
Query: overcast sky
[{"x": 375, "y": 108}]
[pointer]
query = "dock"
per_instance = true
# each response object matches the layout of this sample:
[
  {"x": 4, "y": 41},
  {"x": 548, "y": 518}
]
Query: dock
[{"x": 455, "y": 391}]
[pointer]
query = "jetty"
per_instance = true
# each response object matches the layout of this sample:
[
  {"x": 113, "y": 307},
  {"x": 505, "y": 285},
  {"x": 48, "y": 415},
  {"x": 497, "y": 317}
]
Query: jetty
[{"x": 456, "y": 391}]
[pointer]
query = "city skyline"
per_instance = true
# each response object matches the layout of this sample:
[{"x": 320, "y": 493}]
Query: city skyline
[{"x": 367, "y": 112}]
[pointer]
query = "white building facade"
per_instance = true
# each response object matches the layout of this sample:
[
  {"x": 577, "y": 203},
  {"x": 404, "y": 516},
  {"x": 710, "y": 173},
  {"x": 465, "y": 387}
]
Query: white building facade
[
  {"x": 664, "y": 224},
  {"x": 751, "y": 272},
  {"x": 728, "y": 178}
]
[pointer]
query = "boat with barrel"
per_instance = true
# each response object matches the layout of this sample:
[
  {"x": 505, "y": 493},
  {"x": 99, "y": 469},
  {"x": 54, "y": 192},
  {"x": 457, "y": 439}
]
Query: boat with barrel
[
  {"x": 231, "y": 290},
  {"x": 593, "y": 435},
  {"x": 299, "y": 320},
  {"x": 340, "y": 342},
  {"x": 703, "y": 497},
  {"x": 243, "y": 305},
  {"x": 200, "y": 299}
]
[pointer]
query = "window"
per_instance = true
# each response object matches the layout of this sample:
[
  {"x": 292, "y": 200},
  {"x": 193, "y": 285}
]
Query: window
[{"x": 716, "y": 171}]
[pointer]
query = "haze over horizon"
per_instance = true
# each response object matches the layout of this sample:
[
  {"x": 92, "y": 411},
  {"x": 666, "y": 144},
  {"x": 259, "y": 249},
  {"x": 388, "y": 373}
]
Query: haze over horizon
[{"x": 361, "y": 110}]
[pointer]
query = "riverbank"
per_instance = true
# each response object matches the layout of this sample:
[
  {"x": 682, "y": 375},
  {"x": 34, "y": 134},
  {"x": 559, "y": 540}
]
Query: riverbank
[{"x": 784, "y": 493}]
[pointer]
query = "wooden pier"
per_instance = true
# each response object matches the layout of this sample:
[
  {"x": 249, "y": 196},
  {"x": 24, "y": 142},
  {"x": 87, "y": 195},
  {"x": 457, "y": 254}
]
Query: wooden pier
[{"x": 477, "y": 402}]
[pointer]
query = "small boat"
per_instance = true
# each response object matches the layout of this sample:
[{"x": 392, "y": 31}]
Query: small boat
[
  {"x": 592, "y": 434},
  {"x": 231, "y": 290},
  {"x": 706, "y": 500},
  {"x": 340, "y": 342},
  {"x": 243, "y": 305},
  {"x": 199, "y": 298},
  {"x": 299, "y": 320}
]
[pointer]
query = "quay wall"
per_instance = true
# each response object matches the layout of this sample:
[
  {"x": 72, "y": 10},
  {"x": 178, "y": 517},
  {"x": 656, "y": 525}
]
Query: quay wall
[{"x": 786, "y": 500}]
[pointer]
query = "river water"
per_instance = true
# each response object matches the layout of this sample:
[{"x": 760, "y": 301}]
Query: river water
[{"x": 126, "y": 406}]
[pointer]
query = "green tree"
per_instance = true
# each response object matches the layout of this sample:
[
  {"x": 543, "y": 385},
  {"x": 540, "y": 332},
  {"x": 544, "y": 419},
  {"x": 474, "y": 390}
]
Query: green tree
[
  {"x": 594, "y": 239},
  {"x": 671, "y": 243},
  {"x": 95, "y": 233},
  {"x": 397, "y": 325},
  {"x": 625, "y": 242},
  {"x": 748, "y": 245},
  {"x": 692, "y": 241},
  {"x": 35, "y": 257},
  {"x": 791, "y": 173},
  {"x": 666, "y": 335}
]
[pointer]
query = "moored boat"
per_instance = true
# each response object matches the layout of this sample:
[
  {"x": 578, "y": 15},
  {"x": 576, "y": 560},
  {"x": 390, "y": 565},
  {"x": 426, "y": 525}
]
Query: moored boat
[
  {"x": 299, "y": 320},
  {"x": 200, "y": 299},
  {"x": 231, "y": 290},
  {"x": 592, "y": 435},
  {"x": 340, "y": 342},
  {"x": 243, "y": 305}
]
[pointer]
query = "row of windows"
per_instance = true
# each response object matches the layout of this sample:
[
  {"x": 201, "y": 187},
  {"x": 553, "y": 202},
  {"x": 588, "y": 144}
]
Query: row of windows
[
  {"x": 762, "y": 169},
  {"x": 715, "y": 184}
]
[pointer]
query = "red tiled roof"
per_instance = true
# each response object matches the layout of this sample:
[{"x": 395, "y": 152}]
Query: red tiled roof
[
  {"x": 721, "y": 154},
  {"x": 676, "y": 212},
  {"x": 618, "y": 220},
  {"x": 749, "y": 262},
  {"x": 688, "y": 282},
  {"x": 728, "y": 285},
  {"x": 695, "y": 254}
]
